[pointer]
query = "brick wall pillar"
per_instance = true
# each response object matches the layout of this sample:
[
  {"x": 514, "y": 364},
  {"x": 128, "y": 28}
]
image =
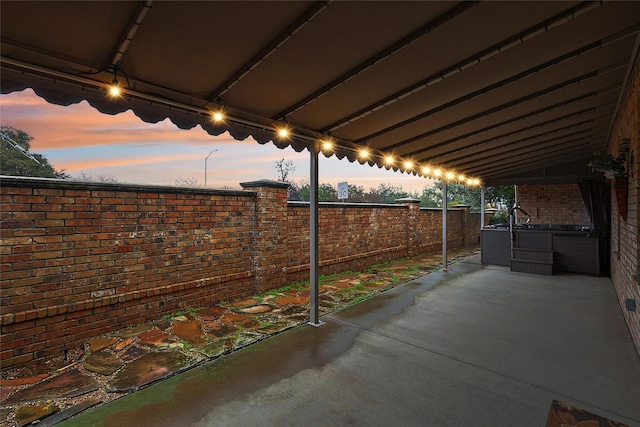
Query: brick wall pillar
[
  {"x": 413, "y": 216},
  {"x": 270, "y": 239},
  {"x": 466, "y": 224}
]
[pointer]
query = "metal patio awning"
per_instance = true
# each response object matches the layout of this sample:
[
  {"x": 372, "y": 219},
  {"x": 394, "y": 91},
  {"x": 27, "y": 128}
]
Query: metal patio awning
[{"x": 501, "y": 91}]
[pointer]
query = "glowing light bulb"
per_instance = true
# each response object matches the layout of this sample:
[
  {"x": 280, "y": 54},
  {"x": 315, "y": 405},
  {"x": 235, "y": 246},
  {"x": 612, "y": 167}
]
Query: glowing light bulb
[
  {"x": 461, "y": 178},
  {"x": 437, "y": 172},
  {"x": 408, "y": 164},
  {"x": 450, "y": 175},
  {"x": 327, "y": 145},
  {"x": 364, "y": 153},
  {"x": 389, "y": 160},
  {"x": 114, "y": 89},
  {"x": 217, "y": 116},
  {"x": 283, "y": 132},
  {"x": 426, "y": 170}
]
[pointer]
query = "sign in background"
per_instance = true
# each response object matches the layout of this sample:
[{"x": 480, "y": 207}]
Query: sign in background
[{"x": 343, "y": 190}]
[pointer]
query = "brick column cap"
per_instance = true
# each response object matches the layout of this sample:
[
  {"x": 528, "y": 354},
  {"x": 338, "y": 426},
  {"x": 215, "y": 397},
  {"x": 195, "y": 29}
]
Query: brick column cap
[
  {"x": 265, "y": 183},
  {"x": 407, "y": 200}
]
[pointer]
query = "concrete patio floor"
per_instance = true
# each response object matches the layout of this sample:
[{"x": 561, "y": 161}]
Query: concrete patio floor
[{"x": 472, "y": 346}]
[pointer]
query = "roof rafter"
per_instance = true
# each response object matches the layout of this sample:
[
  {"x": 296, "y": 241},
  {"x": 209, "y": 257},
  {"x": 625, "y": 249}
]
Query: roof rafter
[
  {"x": 546, "y": 65},
  {"x": 269, "y": 48},
  {"x": 380, "y": 56},
  {"x": 476, "y": 58}
]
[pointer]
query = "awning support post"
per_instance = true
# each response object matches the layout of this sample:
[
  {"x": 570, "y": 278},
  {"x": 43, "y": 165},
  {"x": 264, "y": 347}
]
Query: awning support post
[
  {"x": 314, "y": 259},
  {"x": 483, "y": 190},
  {"x": 444, "y": 225}
]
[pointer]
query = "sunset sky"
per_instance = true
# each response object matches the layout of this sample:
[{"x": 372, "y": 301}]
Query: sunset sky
[{"x": 81, "y": 140}]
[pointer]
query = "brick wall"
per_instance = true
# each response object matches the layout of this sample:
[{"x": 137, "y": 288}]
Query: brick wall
[
  {"x": 79, "y": 259},
  {"x": 625, "y": 257},
  {"x": 553, "y": 204},
  {"x": 82, "y": 259}
]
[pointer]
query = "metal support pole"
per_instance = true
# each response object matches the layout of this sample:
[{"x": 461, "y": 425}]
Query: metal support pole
[
  {"x": 444, "y": 225},
  {"x": 314, "y": 260},
  {"x": 483, "y": 189},
  {"x": 205, "y": 167}
]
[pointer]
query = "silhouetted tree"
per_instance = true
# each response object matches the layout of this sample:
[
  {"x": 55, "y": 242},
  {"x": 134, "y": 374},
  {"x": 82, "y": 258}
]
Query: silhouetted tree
[{"x": 18, "y": 160}]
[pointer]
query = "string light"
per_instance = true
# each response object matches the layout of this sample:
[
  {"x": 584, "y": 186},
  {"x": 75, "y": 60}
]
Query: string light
[
  {"x": 217, "y": 116},
  {"x": 283, "y": 132},
  {"x": 328, "y": 145},
  {"x": 114, "y": 88}
]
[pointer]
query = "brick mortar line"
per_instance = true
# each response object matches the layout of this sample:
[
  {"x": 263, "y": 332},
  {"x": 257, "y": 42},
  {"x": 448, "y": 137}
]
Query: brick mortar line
[
  {"x": 348, "y": 258},
  {"x": 39, "y": 313}
]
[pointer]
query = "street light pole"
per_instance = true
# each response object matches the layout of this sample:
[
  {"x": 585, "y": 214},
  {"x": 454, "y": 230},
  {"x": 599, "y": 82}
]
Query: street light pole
[{"x": 205, "y": 167}]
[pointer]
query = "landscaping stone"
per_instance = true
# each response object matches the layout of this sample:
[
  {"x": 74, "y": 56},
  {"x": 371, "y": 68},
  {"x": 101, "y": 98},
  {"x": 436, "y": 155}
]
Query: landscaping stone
[
  {"x": 68, "y": 413},
  {"x": 149, "y": 368},
  {"x": 243, "y": 320},
  {"x": 99, "y": 343},
  {"x": 133, "y": 332},
  {"x": 215, "y": 311},
  {"x": 133, "y": 353},
  {"x": 190, "y": 331},
  {"x": 23, "y": 381},
  {"x": 243, "y": 303},
  {"x": 27, "y": 414},
  {"x": 292, "y": 300},
  {"x": 121, "y": 345},
  {"x": 216, "y": 348},
  {"x": 102, "y": 362},
  {"x": 246, "y": 338},
  {"x": 257, "y": 309},
  {"x": 220, "y": 329},
  {"x": 156, "y": 338},
  {"x": 68, "y": 384}
]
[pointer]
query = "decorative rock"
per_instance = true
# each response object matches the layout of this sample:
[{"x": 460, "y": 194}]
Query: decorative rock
[
  {"x": 243, "y": 320},
  {"x": 216, "y": 348},
  {"x": 163, "y": 323},
  {"x": 148, "y": 368},
  {"x": 133, "y": 332},
  {"x": 132, "y": 353},
  {"x": 246, "y": 338},
  {"x": 121, "y": 345},
  {"x": 220, "y": 329},
  {"x": 256, "y": 309},
  {"x": 243, "y": 303},
  {"x": 101, "y": 343},
  {"x": 292, "y": 300},
  {"x": 155, "y": 338},
  {"x": 69, "y": 412},
  {"x": 68, "y": 384},
  {"x": 190, "y": 331},
  {"x": 27, "y": 414},
  {"x": 215, "y": 311},
  {"x": 102, "y": 362},
  {"x": 23, "y": 381}
]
